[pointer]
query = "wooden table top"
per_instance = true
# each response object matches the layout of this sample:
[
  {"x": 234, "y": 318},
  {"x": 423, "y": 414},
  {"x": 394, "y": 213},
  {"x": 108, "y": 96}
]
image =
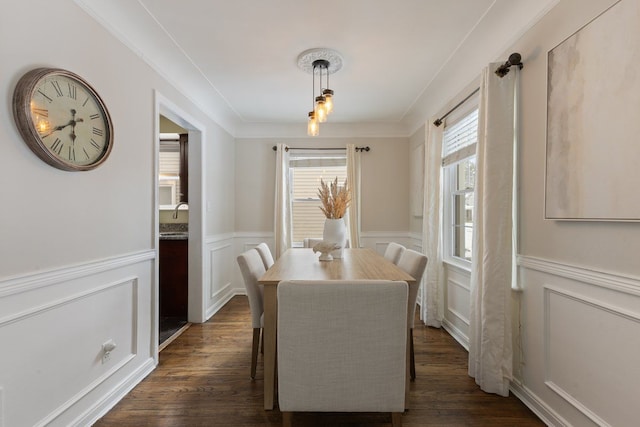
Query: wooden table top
[{"x": 356, "y": 264}]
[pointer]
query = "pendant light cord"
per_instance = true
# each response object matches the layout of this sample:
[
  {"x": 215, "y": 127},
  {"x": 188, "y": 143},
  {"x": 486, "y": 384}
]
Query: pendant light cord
[
  {"x": 313, "y": 90},
  {"x": 327, "y": 78}
]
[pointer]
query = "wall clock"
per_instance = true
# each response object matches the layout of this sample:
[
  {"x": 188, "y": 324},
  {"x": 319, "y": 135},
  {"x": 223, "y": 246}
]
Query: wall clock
[{"x": 62, "y": 119}]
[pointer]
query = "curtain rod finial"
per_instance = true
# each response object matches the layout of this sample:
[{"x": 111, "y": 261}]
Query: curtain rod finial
[{"x": 515, "y": 59}]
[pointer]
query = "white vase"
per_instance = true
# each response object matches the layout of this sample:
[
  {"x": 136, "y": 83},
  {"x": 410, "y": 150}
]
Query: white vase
[{"x": 335, "y": 231}]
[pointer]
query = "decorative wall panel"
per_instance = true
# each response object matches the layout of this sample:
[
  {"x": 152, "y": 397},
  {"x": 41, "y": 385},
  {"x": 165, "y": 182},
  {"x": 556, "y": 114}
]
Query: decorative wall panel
[{"x": 591, "y": 355}]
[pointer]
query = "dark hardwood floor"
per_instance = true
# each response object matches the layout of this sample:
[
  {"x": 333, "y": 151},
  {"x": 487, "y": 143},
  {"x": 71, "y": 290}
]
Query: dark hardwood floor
[{"x": 203, "y": 380}]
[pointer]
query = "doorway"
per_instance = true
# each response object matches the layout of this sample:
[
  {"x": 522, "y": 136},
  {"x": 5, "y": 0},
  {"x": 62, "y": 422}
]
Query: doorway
[
  {"x": 173, "y": 248},
  {"x": 194, "y": 214}
]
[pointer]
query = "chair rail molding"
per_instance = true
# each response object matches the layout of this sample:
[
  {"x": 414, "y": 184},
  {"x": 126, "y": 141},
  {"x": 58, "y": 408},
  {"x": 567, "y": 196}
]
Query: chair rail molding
[
  {"x": 28, "y": 282},
  {"x": 215, "y": 238},
  {"x": 607, "y": 280}
]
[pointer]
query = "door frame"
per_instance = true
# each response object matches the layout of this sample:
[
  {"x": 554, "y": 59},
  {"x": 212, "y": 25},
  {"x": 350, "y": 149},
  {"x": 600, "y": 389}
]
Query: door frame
[{"x": 196, "y": 286}]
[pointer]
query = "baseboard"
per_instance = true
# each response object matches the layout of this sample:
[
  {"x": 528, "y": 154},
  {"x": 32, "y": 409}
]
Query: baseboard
[
  {"x": 456, "y": 333},
  {"x": 538, "y": 407},
  {"x": 104, "y": 405},
  {"x": 222, "y": 301},
  {"x": 530, "y": 400}
]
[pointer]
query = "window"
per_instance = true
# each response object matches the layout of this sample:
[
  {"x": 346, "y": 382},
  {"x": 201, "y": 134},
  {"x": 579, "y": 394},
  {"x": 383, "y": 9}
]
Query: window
[
  {"x": 305, "y": 171},
  {"x": 459, "y": 167},
  {"x": 169, "y": 168},
  {"x": 172, "y": 168}
]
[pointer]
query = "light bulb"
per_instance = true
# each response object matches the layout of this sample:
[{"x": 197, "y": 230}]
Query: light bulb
[
  {"x": 321, "y": 109},
  {"x": 328, "y": 103},
  {"x": 313, "y": 128}
]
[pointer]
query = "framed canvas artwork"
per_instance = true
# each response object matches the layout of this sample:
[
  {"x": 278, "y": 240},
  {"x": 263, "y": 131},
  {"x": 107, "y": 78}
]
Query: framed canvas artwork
[{"x": 593, "y": 120}]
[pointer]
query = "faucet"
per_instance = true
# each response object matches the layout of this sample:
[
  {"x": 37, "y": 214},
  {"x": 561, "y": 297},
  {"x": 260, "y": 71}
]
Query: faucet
[{"x": 175, "y": 212}]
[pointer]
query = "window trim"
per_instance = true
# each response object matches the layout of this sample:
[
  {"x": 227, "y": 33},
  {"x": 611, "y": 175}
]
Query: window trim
[
  {"x": 448, "y": 219},
  {"x": 448, "y": 175}
]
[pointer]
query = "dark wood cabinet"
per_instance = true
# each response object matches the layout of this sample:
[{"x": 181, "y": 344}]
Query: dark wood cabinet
[{"x": 174, "y": 279}]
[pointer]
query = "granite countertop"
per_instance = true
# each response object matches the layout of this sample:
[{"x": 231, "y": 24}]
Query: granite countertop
[
  {"x": 174, "y": 235},
  {"x": 174, "y": 231}
]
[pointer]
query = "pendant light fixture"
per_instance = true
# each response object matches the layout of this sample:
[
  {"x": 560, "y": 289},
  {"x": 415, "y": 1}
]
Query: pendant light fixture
[
  {"x": 321, "y": 101},
  {"x": 322, "y": 62}
]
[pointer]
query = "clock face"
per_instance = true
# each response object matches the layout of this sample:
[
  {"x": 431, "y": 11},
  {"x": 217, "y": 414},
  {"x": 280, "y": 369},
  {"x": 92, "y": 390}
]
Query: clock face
[{"x": 62, "y": 119}]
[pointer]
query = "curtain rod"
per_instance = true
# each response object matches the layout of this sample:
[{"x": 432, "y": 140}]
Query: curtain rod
[
  {"x": 438, "y": 122},
  {"x": 514, "y": 60},
  {"x": 367, "y": 148}
]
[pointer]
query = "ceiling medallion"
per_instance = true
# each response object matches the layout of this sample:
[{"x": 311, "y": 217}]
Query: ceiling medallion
[{"x": 306, "y": 59}]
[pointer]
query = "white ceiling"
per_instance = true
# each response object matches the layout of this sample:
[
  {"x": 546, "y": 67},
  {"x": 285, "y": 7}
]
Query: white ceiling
[{"x": 237, "y": 60}]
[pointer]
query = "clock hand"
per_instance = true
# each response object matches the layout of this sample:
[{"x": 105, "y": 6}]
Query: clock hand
[
  {"x": 73, "y": 118},
  {"x": 73, "y": 127},
  {"x": 55, "y": 129},
  {"x": 72, "y": 122}
]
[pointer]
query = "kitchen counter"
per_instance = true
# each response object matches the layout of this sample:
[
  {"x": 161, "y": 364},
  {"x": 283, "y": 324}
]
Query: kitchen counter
[
  {"x": 174, "y": 235},
  {"x": 174, "y": 231}
]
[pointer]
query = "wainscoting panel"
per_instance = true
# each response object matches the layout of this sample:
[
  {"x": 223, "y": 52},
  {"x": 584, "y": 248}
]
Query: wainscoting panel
[
  {"x": 580, "y": 340},
  {"x": 221, "y": 262},
  {"x": 589, "y": 356},
  {"x": 52, "y": 336},
  {"x": 456, "y": 307}
]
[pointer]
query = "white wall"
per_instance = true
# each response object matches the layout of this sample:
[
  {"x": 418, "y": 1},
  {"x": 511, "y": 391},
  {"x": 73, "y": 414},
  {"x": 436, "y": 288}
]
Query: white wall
[
  {"x": 580, "y": 308},
  {"x": 78, "y": 249}
]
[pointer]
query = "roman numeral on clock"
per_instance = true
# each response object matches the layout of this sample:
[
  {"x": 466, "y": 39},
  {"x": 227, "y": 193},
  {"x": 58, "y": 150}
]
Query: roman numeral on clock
[
  {"x": 72, "y": 91},
  {"x": 57, "y": 145},
  {"x": 98, "y": 132},
  {"x": 57, "y": 87},
  {"x": 42, "y": 93}
]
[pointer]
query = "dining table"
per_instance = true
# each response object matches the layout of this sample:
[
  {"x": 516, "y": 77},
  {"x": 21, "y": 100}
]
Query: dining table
[{"x": 303, "y": 264}]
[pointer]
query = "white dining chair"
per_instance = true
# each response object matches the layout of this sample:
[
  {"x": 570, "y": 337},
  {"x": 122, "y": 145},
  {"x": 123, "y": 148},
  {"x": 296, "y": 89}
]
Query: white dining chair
[
  {"x": 413, "y": 263},
  {"x": 393, "y": 252},
  {"x": 252, "y": 268},
  {"x": 342, "y": 347},
  {"x": 265, "y": 254}
]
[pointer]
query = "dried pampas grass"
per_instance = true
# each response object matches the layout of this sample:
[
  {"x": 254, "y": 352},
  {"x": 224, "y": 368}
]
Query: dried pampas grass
[{"x": 335, "y": 199}]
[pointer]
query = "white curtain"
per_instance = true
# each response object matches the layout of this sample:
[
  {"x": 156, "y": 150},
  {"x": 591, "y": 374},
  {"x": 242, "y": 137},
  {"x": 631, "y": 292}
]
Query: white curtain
[
  {"x": 490, "y": 335},
  {"x": 282, "y": 211},
  {"x": 432, "y": 288},
  {"x": 353, "y": 181}
]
